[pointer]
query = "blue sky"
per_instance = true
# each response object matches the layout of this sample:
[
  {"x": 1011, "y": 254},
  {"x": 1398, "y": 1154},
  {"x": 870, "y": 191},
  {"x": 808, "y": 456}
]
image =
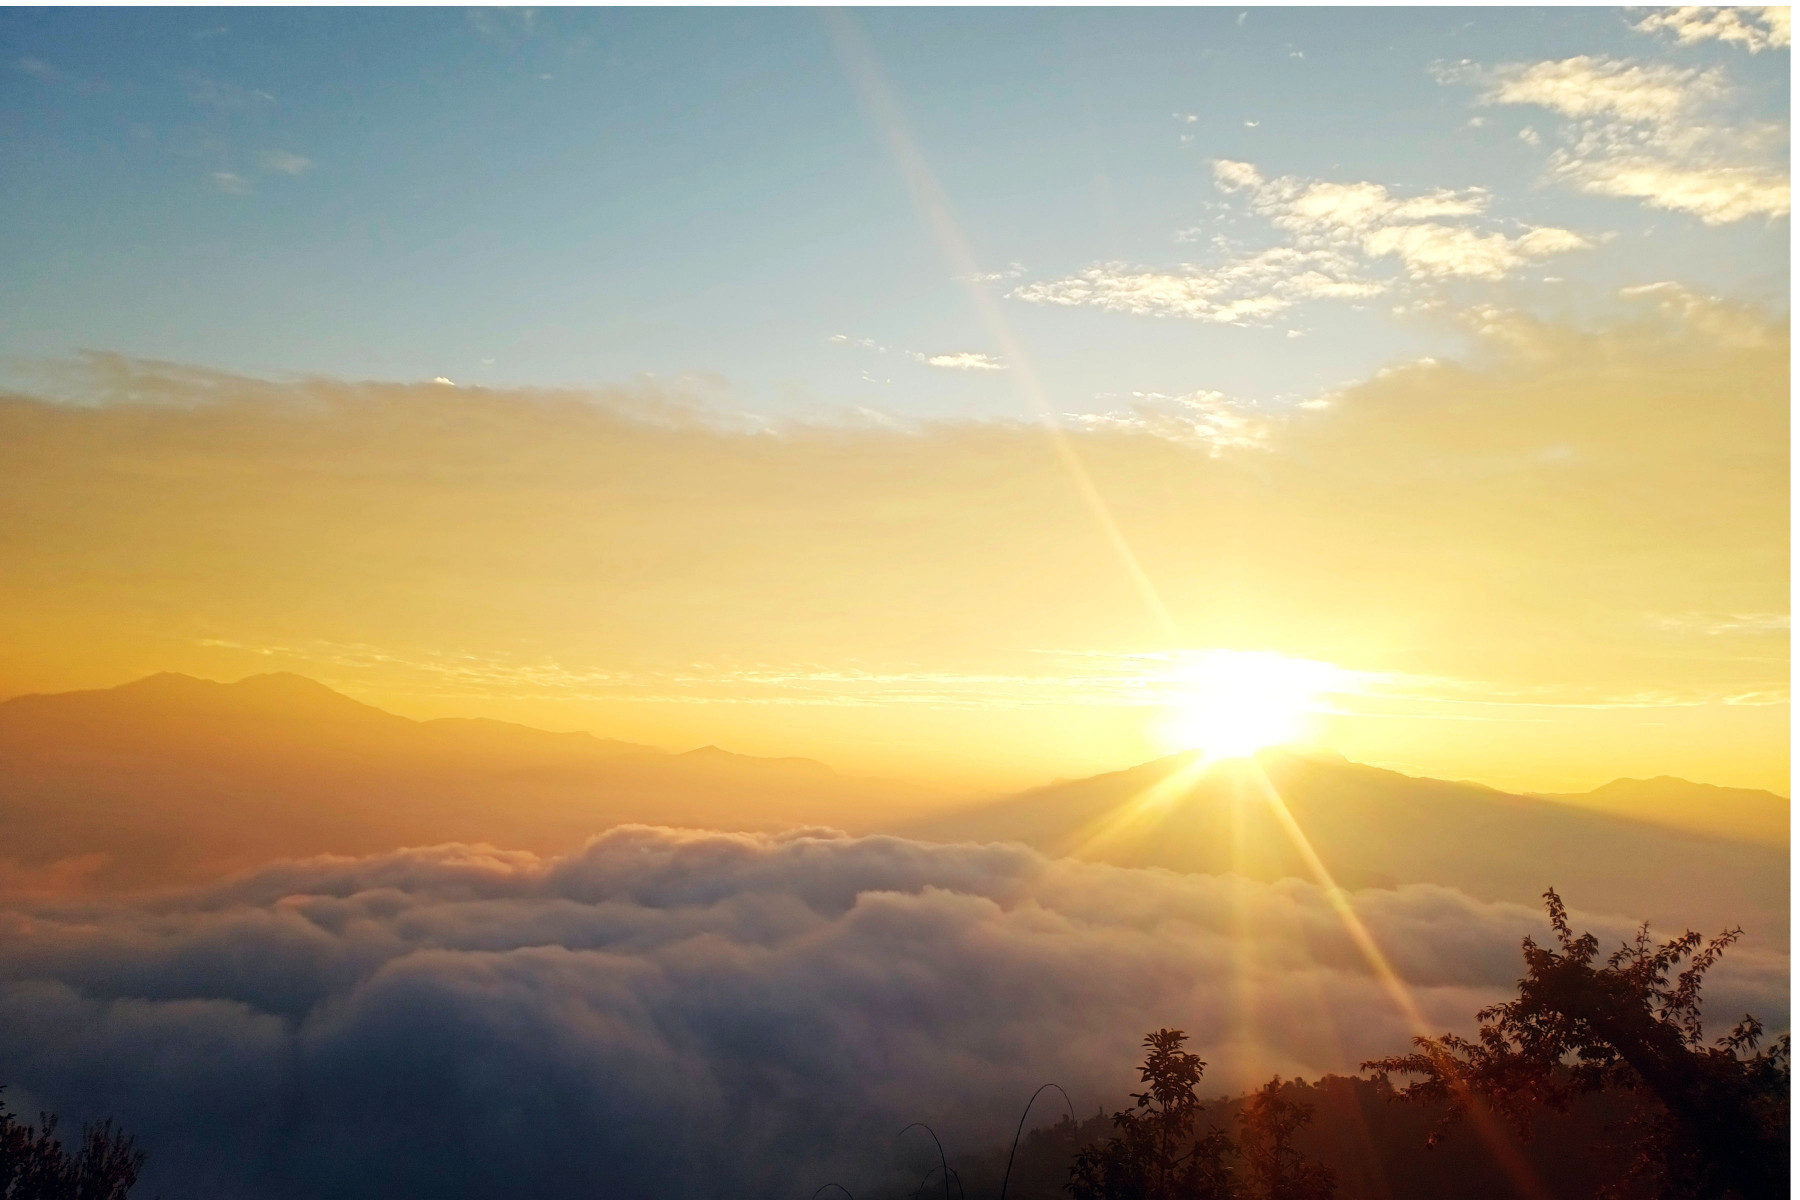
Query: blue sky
[{"x": 580, "y": 198}]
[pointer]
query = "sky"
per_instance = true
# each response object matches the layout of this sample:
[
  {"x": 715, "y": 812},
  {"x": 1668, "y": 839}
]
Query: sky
[{"x": 969, "y": 395}]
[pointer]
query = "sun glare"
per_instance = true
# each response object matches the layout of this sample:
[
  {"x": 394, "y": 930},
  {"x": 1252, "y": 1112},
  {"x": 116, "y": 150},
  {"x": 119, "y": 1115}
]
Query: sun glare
[{"x": 1231, "y": 703}]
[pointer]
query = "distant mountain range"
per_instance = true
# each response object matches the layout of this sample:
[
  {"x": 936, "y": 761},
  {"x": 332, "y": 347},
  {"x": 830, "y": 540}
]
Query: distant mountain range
[
  {"x": 1375, "y": 828},
  {"x": 1747, "y": 813},
  {"x": 172, "y": 779}
]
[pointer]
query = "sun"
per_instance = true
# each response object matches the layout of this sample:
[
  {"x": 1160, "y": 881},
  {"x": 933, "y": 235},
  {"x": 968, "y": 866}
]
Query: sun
[{"x": 1232, "y": 703}]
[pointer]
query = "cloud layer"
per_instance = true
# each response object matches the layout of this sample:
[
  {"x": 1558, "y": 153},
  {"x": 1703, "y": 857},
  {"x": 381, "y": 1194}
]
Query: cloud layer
[{"x": 689, "y": 1014}]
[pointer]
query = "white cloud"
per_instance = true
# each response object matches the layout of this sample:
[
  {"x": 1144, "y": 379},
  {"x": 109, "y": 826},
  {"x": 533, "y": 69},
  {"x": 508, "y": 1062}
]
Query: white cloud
[
  {"x": 1647, "y": 132},
  {"x": 960, "y": 360},
  {"x": 1012, "y": 271},
  {"x": 232, "y": 182},
  {"x": 1207, "y": 419},
  {"x": 1586, "y": 86},
  {"x": 1753, "y": 27},
  {"x": 1716, "y": 194},
  {"x": 861, "y": 343},
  {"x": 1336, "y": 231},
  {"x": 1378, "y": 224},
  {"x": 285, "y": 162},
  {"x": 965, "y": 360},
  {"x": 1249, "y": 288},
  {"x": 1234, "y": 176},
  {"x": 684, "y": 1014}
]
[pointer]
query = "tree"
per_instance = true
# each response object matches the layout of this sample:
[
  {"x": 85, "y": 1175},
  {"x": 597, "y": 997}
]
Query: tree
[
  {"x": 1714, "y": 1116},
  {"x": 34, "y": 1165},
  {"x": 1155, "y": 1152},
  {"x": 1277, "y": 1169}
]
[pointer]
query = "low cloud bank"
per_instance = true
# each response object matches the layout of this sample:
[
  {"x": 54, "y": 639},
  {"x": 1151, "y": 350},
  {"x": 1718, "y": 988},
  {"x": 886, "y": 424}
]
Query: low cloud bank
[{"x": 676, "y": 1013}]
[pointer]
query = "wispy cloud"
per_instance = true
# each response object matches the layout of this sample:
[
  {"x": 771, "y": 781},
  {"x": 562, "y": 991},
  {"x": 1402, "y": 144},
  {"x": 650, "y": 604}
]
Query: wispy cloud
[
  {"x": 1651, "y": 132},
  {"x": 965, "y": 360},
  {"x": 955, "y": 360},
  {"x": 1011, "y": 271},
  {"x": 1207, "y": 419},
  {"x": 37, "y": 68},
  {"x": 1249, "y": 288},
  {"x": 217, "y": 93},
  {"x": 284, "y": 162},
  {"x": 1754, "y": 28},
  {"x": 1427, "y": 233},
  {"x": 1335, "y": 234},
  {"x": 231, "y": 182}
]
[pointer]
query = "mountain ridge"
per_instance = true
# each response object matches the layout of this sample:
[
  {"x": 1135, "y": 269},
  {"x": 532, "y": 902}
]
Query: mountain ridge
[{"x": 171, "y": 779}]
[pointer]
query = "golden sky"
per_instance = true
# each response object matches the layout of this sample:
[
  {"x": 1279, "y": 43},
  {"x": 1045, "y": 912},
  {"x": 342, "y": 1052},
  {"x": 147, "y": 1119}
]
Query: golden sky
[{"x": 1559, "y": 559}]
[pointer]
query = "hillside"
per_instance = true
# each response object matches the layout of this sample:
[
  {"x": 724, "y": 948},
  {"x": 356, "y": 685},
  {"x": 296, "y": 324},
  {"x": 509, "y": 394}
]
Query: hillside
[
  {"x": 1747, "y": 813},
  {"x": 172, "y": 778},
  {"x": 1377, "y": 828}
]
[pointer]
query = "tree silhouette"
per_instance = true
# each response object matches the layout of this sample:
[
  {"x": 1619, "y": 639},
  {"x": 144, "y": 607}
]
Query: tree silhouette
[
  {"x": 1155, "y": 1153},
  {"x": 34, "y": 1165},
  {"x": 1715, "y": 1117},
  {"x": 1276, "y": 1168}
]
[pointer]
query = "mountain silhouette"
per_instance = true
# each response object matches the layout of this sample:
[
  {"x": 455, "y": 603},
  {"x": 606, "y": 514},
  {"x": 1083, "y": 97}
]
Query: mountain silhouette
[
  {"x": 171, "y": 778},
  {"x": 1747, "y": 813},
  {"x": 1377, "y": 828}
]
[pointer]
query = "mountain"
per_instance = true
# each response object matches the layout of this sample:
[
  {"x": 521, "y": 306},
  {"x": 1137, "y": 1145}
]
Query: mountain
[
  {"x": 172, "y": 778},
  {"x": 1377, "y": 828},
  {"x": 1746, "y": 813}
]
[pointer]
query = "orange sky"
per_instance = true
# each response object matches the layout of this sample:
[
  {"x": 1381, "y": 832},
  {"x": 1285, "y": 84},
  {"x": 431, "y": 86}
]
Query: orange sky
[{"x": 1560, "y": 560}]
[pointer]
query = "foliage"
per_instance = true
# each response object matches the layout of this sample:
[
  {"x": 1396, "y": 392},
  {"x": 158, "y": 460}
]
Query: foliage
[
  {"x": 1276, "y": 1168},
  {"x": 34, "y": 1165},
  {"x": 1715, "y": 1115},
  {"x": 1155, "y": 1152}
]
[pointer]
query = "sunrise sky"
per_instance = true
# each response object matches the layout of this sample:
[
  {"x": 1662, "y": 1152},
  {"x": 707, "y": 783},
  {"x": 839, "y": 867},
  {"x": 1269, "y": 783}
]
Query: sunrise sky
[{"x": 975, "y": 397}]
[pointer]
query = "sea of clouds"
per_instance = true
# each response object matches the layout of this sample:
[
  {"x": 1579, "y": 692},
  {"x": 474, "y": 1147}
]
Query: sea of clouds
[{"x": 679, "y": 1013}]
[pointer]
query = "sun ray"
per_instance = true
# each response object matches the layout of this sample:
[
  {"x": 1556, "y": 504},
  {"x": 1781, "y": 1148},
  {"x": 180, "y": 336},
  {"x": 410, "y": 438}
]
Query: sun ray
[
  {"x": 1524, "y": 1179},
  {"x": 933, "y": 204}
]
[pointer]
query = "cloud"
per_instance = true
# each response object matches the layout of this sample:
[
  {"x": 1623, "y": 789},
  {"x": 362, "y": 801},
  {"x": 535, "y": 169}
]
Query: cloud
[
  {"x": 1249, "y": 288},
  {"x": 1368, "y": 218},
  {"x": 218, "y": 93},
  {"x": 960, "y": 360},
  {"x": 231, "y": 182},
  {"x": 1336, "y": 232},
  {"x": 37, "y": 68},
  {"x": 679, "y": 1014},
  {"x": 1012, "y": 271},
  {"x": 1204, "y": 418},
  {"x": 1649, "y": 132},
  {"x": 285, "y": 162},
  {"x": 1755, "y": 28},
  {"x": 1587, "y": 86},
  {"x": 964, "y": 360}
]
